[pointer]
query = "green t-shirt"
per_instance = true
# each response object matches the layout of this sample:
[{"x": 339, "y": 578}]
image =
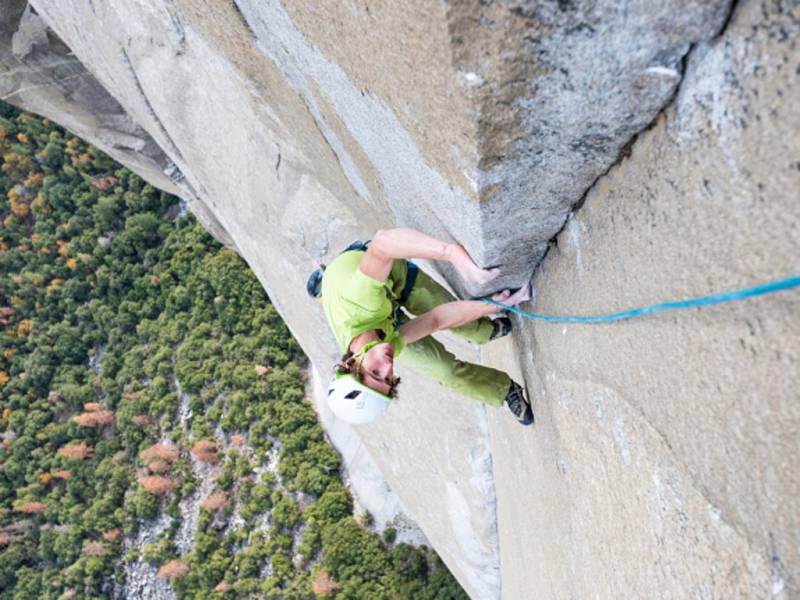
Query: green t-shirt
[{"x": 355, "y": 303}]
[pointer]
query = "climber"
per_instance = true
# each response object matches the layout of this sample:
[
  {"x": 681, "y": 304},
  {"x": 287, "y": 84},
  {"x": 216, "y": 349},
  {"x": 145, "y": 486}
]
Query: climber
[{"x": 363, "y": 290}]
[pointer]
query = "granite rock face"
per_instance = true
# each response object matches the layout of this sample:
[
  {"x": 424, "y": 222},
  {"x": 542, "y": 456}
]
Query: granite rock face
[{"x": 664, "y": 460}]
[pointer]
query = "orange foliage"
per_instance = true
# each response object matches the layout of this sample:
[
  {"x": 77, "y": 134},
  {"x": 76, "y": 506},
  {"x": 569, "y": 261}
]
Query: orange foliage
[
  {"x": 153, "y": 279},
  {"x": 157, "y": 485},
  {"x": 95, "y": 418},
  {"x": 206, "y": 451},
  {"x": 158, "y": 466},
  {"x": 24, "y": 327},
  {"x": 160, "y": 451},
  {"x": 6, "y": 538},
  {"x": 18, "y": 205},
  {"x": 4, "y": 378},
  {"x": 216, "y": 501},
  {"x": 323, "y": 584},
  {"x": 80, "y": 451},
  {"x": 91, "y": 406},
  {"x": 63, "y": 248},
  {"x": 112, "y": 535},
  {"x": 22, "y": 138},
  {"x": 103, "y": 183},
  {"x": 222, "y": 587},
  {"x": 95, "y": 548},
  {"x": 132, "y": 395},
  {"x": 174, "y": 569},
  {"x": 63, "y": 474},
  {"x": 45, "y": 477},
  {"x": 238, "y": 439},
  {"x": 31, "y": 507},
  {"x": 261, "y": 369},
  {"x": 55, "y": 283},
  {"x": 142, "y": 420},
  {"x": 33, "y": 180},
  {"x": 72, "y": 263}
]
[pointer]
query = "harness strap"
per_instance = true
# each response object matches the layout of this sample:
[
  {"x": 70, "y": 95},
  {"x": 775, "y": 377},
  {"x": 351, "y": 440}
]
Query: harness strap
[{"x": 411, "y": 278}]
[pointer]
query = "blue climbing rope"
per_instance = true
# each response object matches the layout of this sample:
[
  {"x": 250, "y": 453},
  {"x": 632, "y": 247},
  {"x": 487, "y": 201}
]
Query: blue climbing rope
[{"x": 757, "y": 290}]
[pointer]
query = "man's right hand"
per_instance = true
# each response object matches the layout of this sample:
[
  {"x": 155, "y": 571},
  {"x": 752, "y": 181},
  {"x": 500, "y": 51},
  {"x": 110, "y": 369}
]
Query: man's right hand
[{"x": 466, "y": 267}]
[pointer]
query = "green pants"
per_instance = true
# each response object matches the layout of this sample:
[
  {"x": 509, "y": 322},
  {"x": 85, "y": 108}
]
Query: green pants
[{"x": 430, "y": 358}]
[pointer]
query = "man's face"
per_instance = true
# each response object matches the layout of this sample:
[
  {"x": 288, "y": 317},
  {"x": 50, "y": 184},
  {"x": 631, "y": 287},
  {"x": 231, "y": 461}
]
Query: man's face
[{"x": 377, "y": 368}]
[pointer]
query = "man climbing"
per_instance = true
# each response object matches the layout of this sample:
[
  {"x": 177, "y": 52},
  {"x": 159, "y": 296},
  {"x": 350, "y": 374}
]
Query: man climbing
[{"x": 363, "y": 290}]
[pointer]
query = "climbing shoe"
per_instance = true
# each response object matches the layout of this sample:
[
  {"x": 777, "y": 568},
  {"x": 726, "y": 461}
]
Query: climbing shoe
[
  {"x": 518, "y": 404},
  {"x": 501, "y": 326}
]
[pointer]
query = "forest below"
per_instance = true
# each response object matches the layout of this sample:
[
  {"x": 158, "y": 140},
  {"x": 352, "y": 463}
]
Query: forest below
[{"x": 152, "y": 408}]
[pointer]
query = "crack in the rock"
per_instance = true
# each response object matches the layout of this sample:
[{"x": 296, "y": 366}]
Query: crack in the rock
[
  {"x": 151, "y": 111},
  {"x": 626, "y": 148}
]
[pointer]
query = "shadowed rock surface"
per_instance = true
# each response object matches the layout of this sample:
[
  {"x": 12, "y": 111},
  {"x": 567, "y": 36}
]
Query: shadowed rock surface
[{"x": 664, "y": 459}]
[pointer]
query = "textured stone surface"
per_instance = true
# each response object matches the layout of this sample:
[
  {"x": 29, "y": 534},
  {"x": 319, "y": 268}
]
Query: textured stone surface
[
  {"x": 39, "y": 72},
  {"x": 664, "y": 462}
]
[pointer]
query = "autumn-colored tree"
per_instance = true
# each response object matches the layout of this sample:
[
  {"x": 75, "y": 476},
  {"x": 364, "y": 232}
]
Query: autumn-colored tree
[
  {"x": 20, "y": 526},
  {"x": 112, "y": 535},
  {"x": 160, "y": 451},
  {"x": 174, "y": 569},
  {"x": 223, "y": 587},
  {"x": 94, "y": 418},
  {"x": 158, "y": 466},
  {"x": 238, "y": 440},
  {"x": 24, "y": 327},
  {"x": 216, "y": 501},
  {"x": 141, "y": 420},
  {"x": 6, "y": 538},
  {"x": 31, "y": 507},
  {"x": 63, "y": 474},
  {"x": 91, "y": 406},
  {"x": 206, "y": 451},
  {"x": 323, "y": 585},
  {"x": 262, "y": 370},
  {"x": 80, "y": 451},
  {"x": 95, "y": 548},
  {"x": 158, "y": 485}
]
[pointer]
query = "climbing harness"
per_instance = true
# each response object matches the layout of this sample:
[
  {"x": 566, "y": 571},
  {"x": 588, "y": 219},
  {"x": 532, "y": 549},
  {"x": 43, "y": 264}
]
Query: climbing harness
[{"x": 757, "y": 290}]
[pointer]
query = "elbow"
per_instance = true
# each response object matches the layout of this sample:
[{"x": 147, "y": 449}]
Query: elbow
[
  {"x": 379, "y": 243},
  {"x": 438, "y": 320},
  {"x": 379, "y": 239}
]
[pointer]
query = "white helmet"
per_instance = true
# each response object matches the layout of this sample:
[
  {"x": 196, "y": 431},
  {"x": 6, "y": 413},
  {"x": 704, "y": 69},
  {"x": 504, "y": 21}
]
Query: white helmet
[{"x": 354, "y": 402}]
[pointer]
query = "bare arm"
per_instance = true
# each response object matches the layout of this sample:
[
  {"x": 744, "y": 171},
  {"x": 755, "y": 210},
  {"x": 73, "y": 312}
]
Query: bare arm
[
  {"x": 453, "y": 314},
  {"x": 389, "y": 244}
]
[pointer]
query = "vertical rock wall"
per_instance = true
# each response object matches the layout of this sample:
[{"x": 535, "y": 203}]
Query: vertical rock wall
[
  {"x": 665, "y": 461},
  {"x": 295, "y": 127}
]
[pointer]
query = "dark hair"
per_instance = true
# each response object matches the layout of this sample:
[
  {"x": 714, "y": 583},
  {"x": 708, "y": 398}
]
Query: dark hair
[{"x": 348, "y": 365}]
